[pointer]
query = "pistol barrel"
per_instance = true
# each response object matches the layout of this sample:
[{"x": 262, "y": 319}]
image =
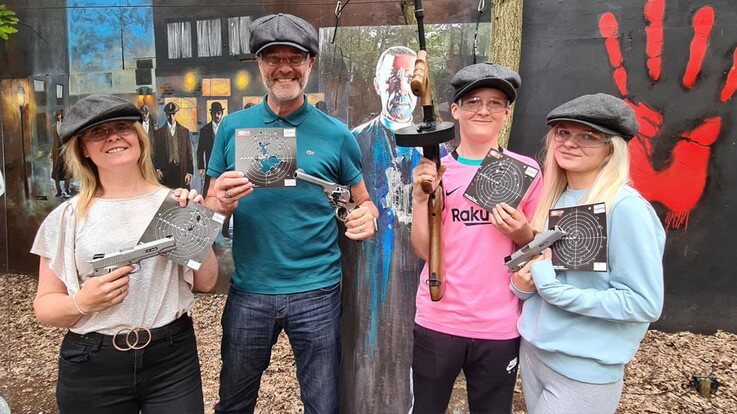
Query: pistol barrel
[{"x": 302, "y": 175}]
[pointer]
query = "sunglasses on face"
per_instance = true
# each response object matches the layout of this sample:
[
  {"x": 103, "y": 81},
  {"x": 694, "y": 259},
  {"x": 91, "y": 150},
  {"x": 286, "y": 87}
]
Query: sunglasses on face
[{"x": 102, "y": 132}]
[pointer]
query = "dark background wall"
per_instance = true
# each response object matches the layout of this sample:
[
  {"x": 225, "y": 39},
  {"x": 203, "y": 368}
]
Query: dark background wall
[
  {"x": 687, "y": 179},
  {"x": 561, "y": 41}
]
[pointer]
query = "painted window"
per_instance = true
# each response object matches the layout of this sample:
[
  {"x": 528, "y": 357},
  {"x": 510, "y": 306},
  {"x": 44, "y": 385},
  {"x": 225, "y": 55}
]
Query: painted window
[
  {"x": 238, "y": 34},
  {"x": 179, "y": 38},
  {"x": 209, "y": 38}
]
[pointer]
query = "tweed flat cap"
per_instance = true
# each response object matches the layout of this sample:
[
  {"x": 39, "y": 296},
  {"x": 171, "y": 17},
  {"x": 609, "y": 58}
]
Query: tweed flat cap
[
  {"x": 489, "y": 75},
  {"x": 603, "y": 112},
  {"x": 283, "y": 29},
  {"x": 94, "y": 110}
]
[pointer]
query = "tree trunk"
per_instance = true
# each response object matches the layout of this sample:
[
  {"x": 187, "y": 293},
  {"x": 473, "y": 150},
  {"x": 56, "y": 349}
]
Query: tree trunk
[
  {"x": 408, "y": 10},
  {"x": 506, "y": 44}
]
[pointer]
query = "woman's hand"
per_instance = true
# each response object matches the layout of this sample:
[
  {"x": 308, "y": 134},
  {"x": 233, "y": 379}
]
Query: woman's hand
[
  {"x": 102, "y": 292},
  {"x": 522, "y": 279},
  {"x": 183, "y": 196}
]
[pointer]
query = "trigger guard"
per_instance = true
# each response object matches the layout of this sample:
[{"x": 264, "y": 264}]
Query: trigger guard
[
  {"x": 136, "y": 268},
  {"x": 341, "y": 213}
]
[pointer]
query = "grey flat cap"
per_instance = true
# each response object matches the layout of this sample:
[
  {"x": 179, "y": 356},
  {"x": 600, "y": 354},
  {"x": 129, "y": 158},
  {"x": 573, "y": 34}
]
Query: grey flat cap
[
  {"x": 603, "y": 112},
  {"x": 94, "y": 110},
  {"x": 283, "y": 29},
  {"x": 489, "y": 75}
]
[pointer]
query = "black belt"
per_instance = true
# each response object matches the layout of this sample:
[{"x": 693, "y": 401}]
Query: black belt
[{"x": 134, "y": 338}]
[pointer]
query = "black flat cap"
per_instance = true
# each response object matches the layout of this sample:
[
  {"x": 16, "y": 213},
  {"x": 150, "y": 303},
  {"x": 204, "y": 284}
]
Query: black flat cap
[
  {"x": 283, "y": 29},
  {"x": 94, "y": 110},
  {"x": 603, "y": 112},
  {"x": 488, "y": 75}
]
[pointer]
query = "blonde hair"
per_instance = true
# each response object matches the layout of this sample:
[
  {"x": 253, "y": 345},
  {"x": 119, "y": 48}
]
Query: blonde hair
[
  {"x": 85, "y": 171},
  {"x": 614, "y": 174}
]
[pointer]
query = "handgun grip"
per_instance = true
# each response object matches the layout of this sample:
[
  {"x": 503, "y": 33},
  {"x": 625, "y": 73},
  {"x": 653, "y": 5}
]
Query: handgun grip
[{"x": 110, "y": 269}]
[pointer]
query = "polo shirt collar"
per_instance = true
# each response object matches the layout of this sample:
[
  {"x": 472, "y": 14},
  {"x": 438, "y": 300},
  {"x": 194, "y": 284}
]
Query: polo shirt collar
[{"x": 294, "y": 119}]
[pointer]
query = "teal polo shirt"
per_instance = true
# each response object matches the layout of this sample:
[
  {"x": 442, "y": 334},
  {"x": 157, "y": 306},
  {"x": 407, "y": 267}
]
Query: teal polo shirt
[{"x": 285, "y": 240}]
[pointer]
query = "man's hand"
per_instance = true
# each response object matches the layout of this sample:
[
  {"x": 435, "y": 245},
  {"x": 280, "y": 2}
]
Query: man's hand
[
  {"x": 187, "y": 178},
  {"x": 224, "y": 194},
  {"x": 361, "y": 224},
  {"x": 201, "y": 172},
  {"x": 512, "y": 223}
]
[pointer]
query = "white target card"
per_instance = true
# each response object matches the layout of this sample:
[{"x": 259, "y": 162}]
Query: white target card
[
  {"x": 500, "y": 179},
  {"x": 584, "y": 247},
  {"x": 192, "y": 227},
  {"x": 267, "y": 155}
]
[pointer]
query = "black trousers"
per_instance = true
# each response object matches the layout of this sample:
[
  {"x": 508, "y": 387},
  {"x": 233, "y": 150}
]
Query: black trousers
[
  {"x": 164, "y": 377},
  {"x": 490, "y": 367}
]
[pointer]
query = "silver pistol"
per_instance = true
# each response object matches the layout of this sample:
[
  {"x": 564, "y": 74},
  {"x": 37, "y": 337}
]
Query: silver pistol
[
  {"x": 542, "y": 241},
  {"x": 339, "y": 196},
  {"x": 105, "y": 263}
]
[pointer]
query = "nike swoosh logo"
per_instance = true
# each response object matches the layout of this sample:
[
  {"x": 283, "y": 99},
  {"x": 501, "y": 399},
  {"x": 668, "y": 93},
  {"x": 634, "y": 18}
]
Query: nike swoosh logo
[{"x": 448, "y": 193}]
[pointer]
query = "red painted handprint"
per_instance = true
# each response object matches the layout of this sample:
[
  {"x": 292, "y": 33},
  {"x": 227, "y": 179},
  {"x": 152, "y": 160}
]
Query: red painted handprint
[{"x": 680, "y": 184}]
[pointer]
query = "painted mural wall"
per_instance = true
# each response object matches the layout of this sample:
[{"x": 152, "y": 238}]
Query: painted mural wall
[
  {"x": 675, "y": 64},
  {"x": 187, "y": 63}
]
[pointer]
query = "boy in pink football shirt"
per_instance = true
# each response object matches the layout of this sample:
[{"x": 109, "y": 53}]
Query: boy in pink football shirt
[{"x": 474, "y": 326}]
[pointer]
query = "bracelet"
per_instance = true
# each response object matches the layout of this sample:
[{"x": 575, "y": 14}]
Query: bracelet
[{"x": 74, "y": 299}]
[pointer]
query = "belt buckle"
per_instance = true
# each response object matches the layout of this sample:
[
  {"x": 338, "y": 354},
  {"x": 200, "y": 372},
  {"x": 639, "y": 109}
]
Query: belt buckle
[{"x": 133, "y": 338}]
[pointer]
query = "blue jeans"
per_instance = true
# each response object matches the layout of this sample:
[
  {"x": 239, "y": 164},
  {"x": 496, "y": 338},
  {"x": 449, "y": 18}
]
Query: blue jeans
[{"x": 251, "y": 325}]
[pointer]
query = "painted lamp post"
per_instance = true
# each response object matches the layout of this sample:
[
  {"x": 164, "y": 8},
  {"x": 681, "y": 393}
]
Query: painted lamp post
[{"x": 20, "y": 95}]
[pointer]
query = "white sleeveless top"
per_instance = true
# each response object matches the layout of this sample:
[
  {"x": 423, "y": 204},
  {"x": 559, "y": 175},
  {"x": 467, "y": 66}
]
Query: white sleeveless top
[{"x": 159, "y": 293}]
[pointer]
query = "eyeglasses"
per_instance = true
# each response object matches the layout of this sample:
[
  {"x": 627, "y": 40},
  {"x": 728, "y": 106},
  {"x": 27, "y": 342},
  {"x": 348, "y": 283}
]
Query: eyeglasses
[
  {"x": 588, "y": 139},
  {"x": 102, "y": 132},
  {"x": 291, "y": 60},
  {"x": 475, "y": 105}
]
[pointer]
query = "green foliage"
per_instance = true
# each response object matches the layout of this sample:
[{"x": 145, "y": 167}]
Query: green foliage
[{"x": 7, "y": 22}]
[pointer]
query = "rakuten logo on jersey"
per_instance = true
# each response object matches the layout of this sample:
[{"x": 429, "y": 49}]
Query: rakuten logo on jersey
[{"x": 471, "y": 217}]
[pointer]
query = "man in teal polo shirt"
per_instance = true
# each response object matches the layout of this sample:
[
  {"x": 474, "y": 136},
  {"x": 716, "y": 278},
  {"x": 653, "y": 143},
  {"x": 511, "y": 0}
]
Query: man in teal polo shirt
[{"x": 285, "y": 242}]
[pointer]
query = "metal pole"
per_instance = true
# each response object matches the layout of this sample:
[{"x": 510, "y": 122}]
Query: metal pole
[{"x": 23, "y": 152}]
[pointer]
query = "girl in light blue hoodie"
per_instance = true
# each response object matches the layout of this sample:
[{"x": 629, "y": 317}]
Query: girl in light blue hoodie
[{"x": 579, "y": 328}]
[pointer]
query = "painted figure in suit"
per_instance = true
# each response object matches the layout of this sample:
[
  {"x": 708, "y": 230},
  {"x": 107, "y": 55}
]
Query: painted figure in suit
[
  {"x": 173, "y": 151},
  {"x": 59, "y": 171},
  {"x": 148, "y": 125},
  {"x": 207, "y": 137}
]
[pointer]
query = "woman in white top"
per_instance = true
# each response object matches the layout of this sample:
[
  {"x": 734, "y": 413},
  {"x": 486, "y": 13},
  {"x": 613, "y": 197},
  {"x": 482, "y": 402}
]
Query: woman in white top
[{"x": 131, "y": 346}]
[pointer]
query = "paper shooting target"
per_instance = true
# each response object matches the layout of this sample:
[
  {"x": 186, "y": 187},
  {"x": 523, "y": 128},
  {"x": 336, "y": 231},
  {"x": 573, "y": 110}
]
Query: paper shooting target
[
  {"x": 193, "y": 228},
  {"x": 500, "y": 179},
  {"x": 267, "y": 155},
  {"x": 584, "y": 247}
]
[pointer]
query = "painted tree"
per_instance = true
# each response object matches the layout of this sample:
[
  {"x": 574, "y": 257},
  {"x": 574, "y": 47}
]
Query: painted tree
[{"x": 8, "y": 21}]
